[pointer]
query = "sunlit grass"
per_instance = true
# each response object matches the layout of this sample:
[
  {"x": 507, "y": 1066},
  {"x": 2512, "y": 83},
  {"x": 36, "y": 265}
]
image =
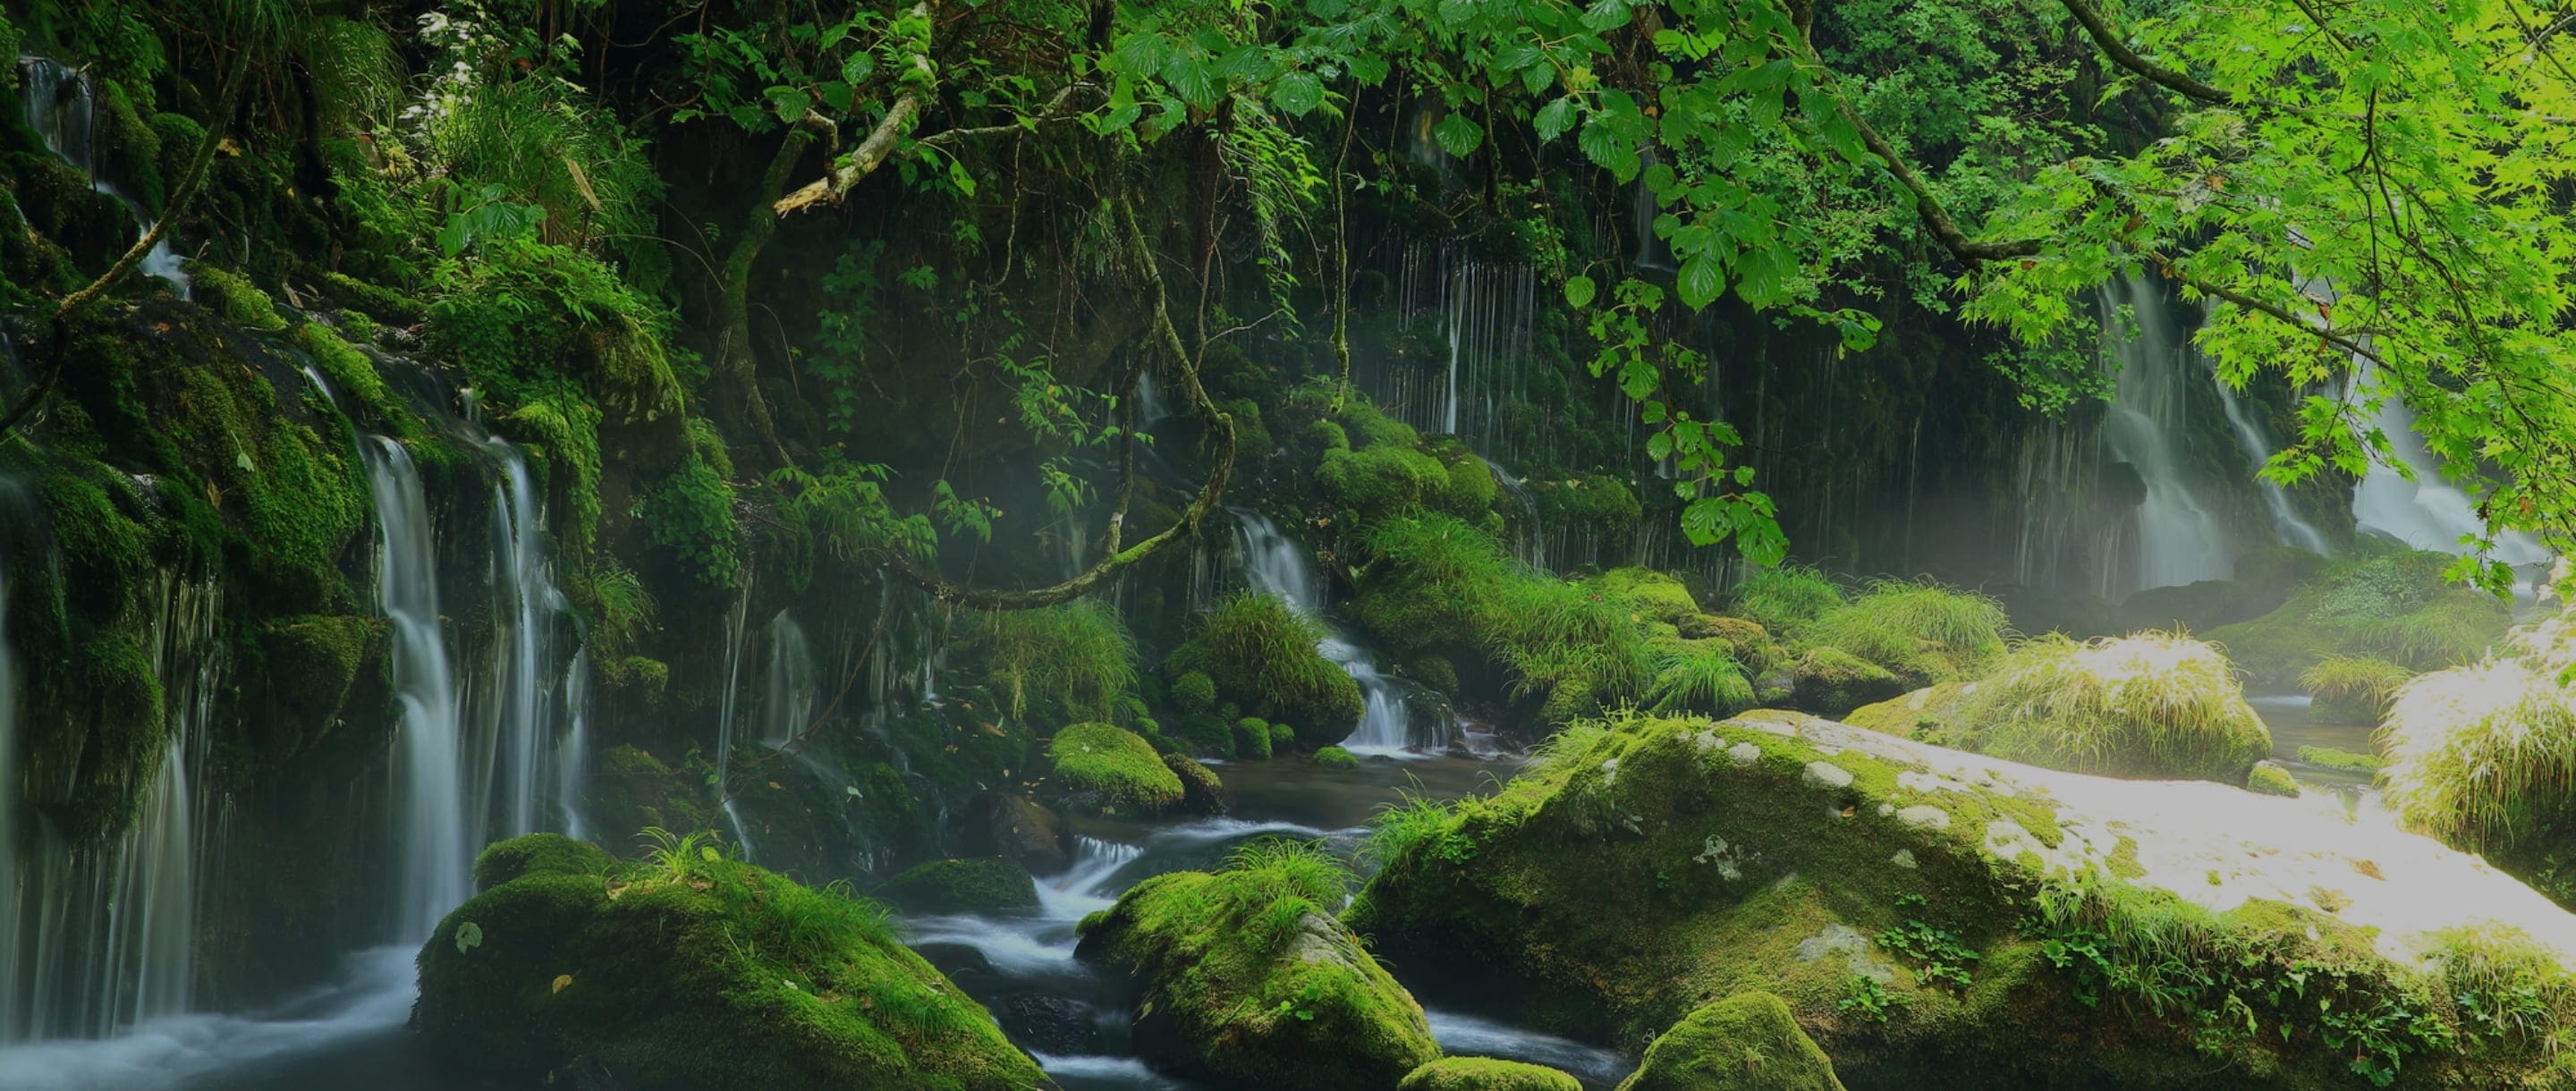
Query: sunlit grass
[
  {"x": 2482, "y": 755},
  {"x": 2353, "y": 688},
  {"x": 1920, "y": 630},
  {"x": 1785, "y": 598},
  {"x": 2149, "y": 704}
]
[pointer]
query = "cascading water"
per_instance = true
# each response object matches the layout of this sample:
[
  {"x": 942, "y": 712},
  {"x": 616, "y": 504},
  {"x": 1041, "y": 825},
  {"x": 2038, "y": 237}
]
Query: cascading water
[
  {"x": 1275, "y": 564},
  {"x": 1487, "y": 315},
  {"x": 1529, "y": 535},
  {"x": 2178, "y": 540},
  {"x": 2286, "y": 523},
  {"x": 432, "y": 824},
  {"x": 62, "y": 105},
  {"x": 2426, "y": 512},
  {"x": 518, "y": 737},
  {"x": 788, "y": 687}
]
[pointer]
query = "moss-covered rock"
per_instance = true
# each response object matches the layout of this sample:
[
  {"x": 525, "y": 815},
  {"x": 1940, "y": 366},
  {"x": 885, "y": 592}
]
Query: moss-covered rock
[
  {"x": 1334, "y": 757},
  {"x": 2269, "y": 778},
  {"x": 1380, "y": 479},
  {"x": 538, "y": 854},
  {"x": 2396, "y": 607},
  {"x": 985, "y": 886},
  {"x": 1201, "y": 791},
  {"x": 1244, "y": 979},
  {"x": 1252, "y": 738},
  {"x": 1012, "y": 828},
  {"x": 1107, "y": 769},
  {"x": 1747, "y": 1042},
  {"x": 633, "y": 790},
  {"x": 694, "y": 971},
  {"x": 2327, "y": 757},
  {"x": 1830, "y": 681},
  {"x": 1261, "y": 654},
  {"x": 1486, "y": 1074},
  {"x": 1935, "y": 918}
]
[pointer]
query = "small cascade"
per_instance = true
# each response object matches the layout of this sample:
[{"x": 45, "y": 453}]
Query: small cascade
[
  {"x": 788, "y": 687},
  {"x": 431, "y": 821},
  {"x": 2178, "y": 540},
  {"x": 2426, "y": 512},
  {"x": 61, "y": 104},
  {"x": 736, "y": 633},
  {"x": 575, "y": 755},
  {"x": 1274, "y": 564},
  {"x": 12, "y": 990},
  {"x": 519, "y": 735},
  {"x": 2058, "y": 541},
  {"x": 2286, "y": 523},
  {"x": 1652, "y": 251},
  {"x": 1529, "y": 534}
]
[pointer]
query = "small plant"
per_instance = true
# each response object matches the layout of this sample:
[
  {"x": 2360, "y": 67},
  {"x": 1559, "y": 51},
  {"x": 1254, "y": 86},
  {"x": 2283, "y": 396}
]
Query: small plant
[
  {"x": 1941, "y": 957},
  {"x": 1867, "y": 998}
]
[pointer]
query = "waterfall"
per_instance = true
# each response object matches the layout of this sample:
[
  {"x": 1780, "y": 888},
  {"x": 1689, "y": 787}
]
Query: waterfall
[
  {"x": 1487, "y": 316},
  {"x": 433, "y": 826},
  {"x": 737, "y": 631},
  {"x": 2426, "y": 512},
  {"x": 575, "y": 757},
  {"x": 2178, "y": 540},
  {"x": 2286, "y": 523},
  {"x": 61, "y": 105},
  {"x": 1275, "y": 564},
  {"x": 788, "y": 686},
  {"x": 517, "y": 738}
]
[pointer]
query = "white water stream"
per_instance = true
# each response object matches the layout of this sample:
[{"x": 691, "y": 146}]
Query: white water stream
[
  {"x": 62, "y": 105},
  {"x": 2178, "y": 540},
  {"x": 1274, "y": 564}
]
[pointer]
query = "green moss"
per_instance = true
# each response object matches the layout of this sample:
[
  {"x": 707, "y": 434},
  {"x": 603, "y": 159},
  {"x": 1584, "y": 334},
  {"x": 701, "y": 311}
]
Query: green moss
[
  {"x": 2270, "y": 779},
  {"x": 1321, "y": 436},
  {"x": 1648, "y": 594},
  {"x": 1244, "y": 978},
  {"x": 1380, "y": 479},
  {"x": 1485, "y": 1074},
  {"x": 1201, "y": 791},
  {"x": 539, "y": 854},
  {"x": 1596, "y": 505},
  {"x": 690, "y": 512},
  {"x": 1334, "y": 757},
  {"x": 1784, "y": 600},
  {"x": 634, "y": 790},
  {"x": 2326, "y": 757},
  {"x": 962, "y": 886},
  {"x": 1746, "y": 1042},
  {"x": 2352, "y": 689},
  {"x": 1252, "y": 738},
  {"x": 1194, "y": 692},
  {"x": 1471, "y": 487},
  {"x": 310, "y": 665},
  {"x": 691, "y": 971},
  {"x": 1922, "y": 632},
  {"x": 1062, "y": 664},
  {"x": 1829, "y": 681},
  {"x": 1099, "y": 767},
  {"x": 563, "y": 430},
  {"x": 234, "y": 297}
]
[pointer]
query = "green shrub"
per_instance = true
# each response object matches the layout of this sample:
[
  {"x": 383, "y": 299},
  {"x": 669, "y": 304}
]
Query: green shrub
[
  {"x": 1696, "y": 677},
  {"x": 2481, "y": 756},
  {"x": 690, "y": 512},
  {"x": 1061, "y": 663}
]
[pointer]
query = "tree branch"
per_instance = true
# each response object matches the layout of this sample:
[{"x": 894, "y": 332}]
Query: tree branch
[
  {"x": 872, "y": 152},
  {"x": 2108, "y": 37}
]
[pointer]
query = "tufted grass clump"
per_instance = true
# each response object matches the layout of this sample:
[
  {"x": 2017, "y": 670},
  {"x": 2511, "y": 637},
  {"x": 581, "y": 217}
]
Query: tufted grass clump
[
  {"x": 1261, "y": 654},
  {"x": 2352, "y": 689},
  {"x": 2152, "y": 704},
  {"x": 1699, "y": 679},
  {"x": 1786, "y": 598},
  {"x": 1061, "y": 664},
  {"x": 2483, "y": 756},
  {"x": 1923, "y": 632}
]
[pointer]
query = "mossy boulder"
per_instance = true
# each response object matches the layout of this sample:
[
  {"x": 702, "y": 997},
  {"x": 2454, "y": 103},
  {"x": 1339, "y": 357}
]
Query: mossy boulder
[
  {"x": 1013, "y": 828},
  {"x": 1252, "y": 738},
  {"x": 1486, "y": 1074},
  {"x": 1102, "y": 768},
  {"x": 1380, "y": 479},
  {"x": 2151, "y": 704},
  {"x": 1914, "y": 906},
  {"x": 1244, "y": 979},
  {"x": 1747, "y": 1042},
  {"x": 1201, "y": 791},
  {"x": 538, "y": 854},
  {"x": 1830, "y": 681},
  {"x": 1262, "y": 655},
  {"x": 2269, "y": 778},
  {"x": 309, "y": 668},
  {"x": 1334, "y": 757},
  {"x": 694, "y": 972},
  {"x": 634, "y": 790},
  {"x": 984, "y": 886}
]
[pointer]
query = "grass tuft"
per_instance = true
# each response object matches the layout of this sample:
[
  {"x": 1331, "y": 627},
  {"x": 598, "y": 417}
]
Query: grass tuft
[
  {"x": 2153, "y": 704},
  {"x": 2352, "y": 689}
]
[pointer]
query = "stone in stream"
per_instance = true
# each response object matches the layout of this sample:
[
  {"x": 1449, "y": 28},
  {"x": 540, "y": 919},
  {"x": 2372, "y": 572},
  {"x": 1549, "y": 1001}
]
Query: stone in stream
[
  {"x": 1486, "y": 1074},
  {"x": 1948, "y": 919},
  {"x": 1011, "y": 827},
  {"x": 1243, "y": 979},
  {"x": 1201, "y": 792},
  {"x": 1104, "y": 769},
  {"x": 986, "y": 886},
  {"x": 692, "y": 971}
]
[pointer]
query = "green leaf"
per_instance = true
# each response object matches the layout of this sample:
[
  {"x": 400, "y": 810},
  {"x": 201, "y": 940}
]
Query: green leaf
[
  {"x": 1601, "y": 144},
  {"x": 1579, "y": 291},
  {"x": 469, "y": 936},
  {"x": 789, "y": 103},
  {"x": 1554, "y": 119},
  {"x": 1297, "y": 93},
  {"x": 1457, "y": 135},
  {"x": 1701, "y": 282}
]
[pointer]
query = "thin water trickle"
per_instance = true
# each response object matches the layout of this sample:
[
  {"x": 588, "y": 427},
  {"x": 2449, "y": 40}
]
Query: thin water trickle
[
  {"x": 2287, "y": 525},
  {"x": 61, "y": 105},
  {"x": 2405, "y": 495}
]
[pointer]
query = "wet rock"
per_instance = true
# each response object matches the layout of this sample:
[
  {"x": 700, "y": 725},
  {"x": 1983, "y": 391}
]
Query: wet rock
[{"x": 1013, "y": 828}]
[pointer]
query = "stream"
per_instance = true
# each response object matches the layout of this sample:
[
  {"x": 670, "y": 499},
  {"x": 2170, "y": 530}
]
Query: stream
[{"x": 1067, "y": 1014}]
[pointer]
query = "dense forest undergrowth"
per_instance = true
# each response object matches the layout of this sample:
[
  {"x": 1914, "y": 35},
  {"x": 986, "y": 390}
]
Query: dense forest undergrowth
[{"x": 814, "y": 452}]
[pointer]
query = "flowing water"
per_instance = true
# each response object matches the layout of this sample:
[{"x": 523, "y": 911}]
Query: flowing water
[
  {"x": 62, "y": 105},
  {"x": 1394, "y": 721},
  {"x": 2287, "y": 525},
  {"x": 2178, "y": 540},
  {"x": 434, "y": 837},
  {"x": 2405, "y": 497}
]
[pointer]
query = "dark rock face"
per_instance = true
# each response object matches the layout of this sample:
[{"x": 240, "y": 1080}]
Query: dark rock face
[{"x": 1013, "y": 828}]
